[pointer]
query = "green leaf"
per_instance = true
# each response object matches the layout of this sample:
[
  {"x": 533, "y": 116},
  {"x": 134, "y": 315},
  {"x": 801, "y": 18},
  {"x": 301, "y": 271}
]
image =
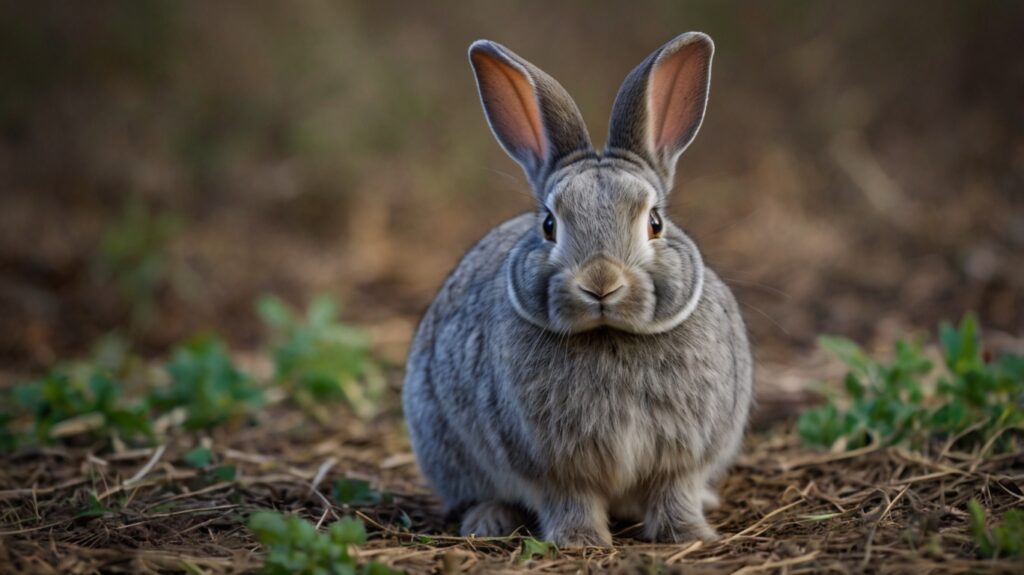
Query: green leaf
[
  {"x": 404, "y": 520},
  {"x": 223, "y": 473},
  {"x": 274, "y": 312},
  {"x": 94, "y": 508},
  {"x": 348, "y": 530},
  {"x": 854, "y": 387},
  {"x": 322, "y": 311},
  {"x": 820, "y": 426},
  {"x": 981, "y": 536},
  {"x": 199, "y": 457},
  {"x": 1009, "y": 534},
  {"x": 533, "y": 548},
  {"x": 961, "y": 345},
  {"x": 356, "y": 492},
  {"x": 849, "y": 352}
]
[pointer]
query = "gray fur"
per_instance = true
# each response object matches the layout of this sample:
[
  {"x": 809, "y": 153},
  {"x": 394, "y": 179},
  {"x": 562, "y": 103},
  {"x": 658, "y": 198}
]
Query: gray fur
[{"x": 524, "y": 392}]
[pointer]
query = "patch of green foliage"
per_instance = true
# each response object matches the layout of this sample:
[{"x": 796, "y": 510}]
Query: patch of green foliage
[
  {"x": 907, "y": 400},
  {"x": 318, "y": 359},
  {"x": 205, "y": 382},
  {"x": 88, "y": 397},
  {"x": 66, "y": 394},
  {"x": 1003, "y": 540},
  {"x": 82, "y": 397},
  {"x": 294, "y": 546},
  {"x": 132, "y": 257},
  {"x": 534, "y": 548}
]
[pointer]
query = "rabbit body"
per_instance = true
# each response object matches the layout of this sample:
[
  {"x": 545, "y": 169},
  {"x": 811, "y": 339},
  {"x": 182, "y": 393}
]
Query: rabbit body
[{"x": 591, "y": 371}]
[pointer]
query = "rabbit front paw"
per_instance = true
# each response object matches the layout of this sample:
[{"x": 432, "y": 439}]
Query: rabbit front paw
[
  {"x": 577, "y": 522},
  {"x": 581, "y": 537},
  {"x": 492, "y": 519},
  {"x": 677, "y": 515}
]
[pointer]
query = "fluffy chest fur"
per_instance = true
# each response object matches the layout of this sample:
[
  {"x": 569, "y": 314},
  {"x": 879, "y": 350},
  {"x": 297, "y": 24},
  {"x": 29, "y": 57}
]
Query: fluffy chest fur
[{"x": 612, "y": 411}]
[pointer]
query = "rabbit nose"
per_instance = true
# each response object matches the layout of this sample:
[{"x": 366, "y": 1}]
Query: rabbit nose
[
  {"x": 600, "y": 278},
  {"x": 598, "y": 296}
]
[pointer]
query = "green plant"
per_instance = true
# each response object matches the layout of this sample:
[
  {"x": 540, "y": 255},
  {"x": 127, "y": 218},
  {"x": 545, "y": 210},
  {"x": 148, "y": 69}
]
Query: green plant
[
  {"x": 317, "y": 358},
  {"x": 199, "y": 457},
  {"x": 294, "y": 546},
  {"x": 75, "y": 398},
  {"x": 357, "y": 492},
  {"x": 85, "y": 396},
  {"x": 202, "y": 458},
  {"x": 1003, "y": 540},
  {"x": 905, "y": 400},
  {"x": 206, "y": 383},
  {"x": 132, "y": 256},
  {"x": 534, "y": 548},
  {"x": 94, "y": 508}
]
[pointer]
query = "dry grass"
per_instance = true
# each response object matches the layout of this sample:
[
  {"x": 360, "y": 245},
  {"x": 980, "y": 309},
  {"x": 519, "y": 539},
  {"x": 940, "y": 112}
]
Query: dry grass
[{"x": 786, "y": 509}]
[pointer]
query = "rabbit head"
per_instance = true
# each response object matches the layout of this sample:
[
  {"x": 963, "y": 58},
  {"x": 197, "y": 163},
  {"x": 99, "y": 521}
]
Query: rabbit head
[{"x": 604, "y": 252}]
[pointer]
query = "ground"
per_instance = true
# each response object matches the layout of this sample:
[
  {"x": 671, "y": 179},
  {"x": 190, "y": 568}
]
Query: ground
[{"x": 786, "y": 508}]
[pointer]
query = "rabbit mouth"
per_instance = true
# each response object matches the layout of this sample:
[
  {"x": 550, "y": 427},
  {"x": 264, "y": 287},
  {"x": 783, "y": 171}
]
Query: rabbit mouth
[{"x": 579, "y": 306}]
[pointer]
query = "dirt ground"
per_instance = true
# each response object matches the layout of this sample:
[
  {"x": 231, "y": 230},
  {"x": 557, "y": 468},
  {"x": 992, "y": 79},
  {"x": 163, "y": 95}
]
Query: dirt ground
[{"x": 785, "y": 509}]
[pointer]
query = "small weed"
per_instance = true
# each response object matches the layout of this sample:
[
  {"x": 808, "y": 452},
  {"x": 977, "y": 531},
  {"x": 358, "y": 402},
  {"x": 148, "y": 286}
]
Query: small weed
[
  {"x": 357, "y": 492},
  {"x": 295, "y": 546},
  {"x": 80, "y": 397},
  {"x": 1003, "y": 540},
  {"x": 534, "y": 548},
  {"x": 199, "y": 457},
  {"x": 94, "y": 508},
  {"x": 891, "y": 402},
  {"x": 202, "y": 458},
  {"x": 222, "y": 473},
  {"x": 205, "y": 382},
  {"x": 318, "y": 359},
  {"x": 66, "y": 401}
]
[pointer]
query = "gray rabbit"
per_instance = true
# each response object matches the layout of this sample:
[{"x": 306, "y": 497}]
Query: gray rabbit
[{"x": 582, "y": 362}]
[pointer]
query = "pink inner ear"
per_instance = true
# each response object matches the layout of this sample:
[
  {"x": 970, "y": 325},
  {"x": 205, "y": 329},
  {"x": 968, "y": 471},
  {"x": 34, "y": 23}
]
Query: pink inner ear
[
  {"x": 511, "y": 104},
  {"x": 676, "y": 95}
]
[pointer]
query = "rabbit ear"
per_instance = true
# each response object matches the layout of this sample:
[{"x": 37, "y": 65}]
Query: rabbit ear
[
  {"x": 530, "y": 113},
  {"x": 661, "y": 104}
]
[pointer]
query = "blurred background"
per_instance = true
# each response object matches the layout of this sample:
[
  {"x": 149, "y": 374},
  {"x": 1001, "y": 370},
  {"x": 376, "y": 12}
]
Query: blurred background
[{"x": 164, "y": 163}]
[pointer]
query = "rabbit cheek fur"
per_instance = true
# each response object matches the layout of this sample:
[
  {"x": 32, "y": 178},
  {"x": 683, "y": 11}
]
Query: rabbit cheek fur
[{"x": 602, "y": 371}]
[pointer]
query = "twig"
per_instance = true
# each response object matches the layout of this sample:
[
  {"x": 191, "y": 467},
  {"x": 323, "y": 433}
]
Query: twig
[
  {"x": 762, "y": 520},
  {"x": 769, "y": 565},
  {"x": 147, "y": 467},
  {"x": 321, "y": 472}
]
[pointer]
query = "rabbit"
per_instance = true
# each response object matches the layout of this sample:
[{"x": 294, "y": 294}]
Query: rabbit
[{"x": 582, "y": 363}]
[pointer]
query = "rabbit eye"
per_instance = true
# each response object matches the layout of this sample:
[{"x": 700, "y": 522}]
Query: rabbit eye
[
  {"x": 549, "y": 227},
  {"x": 654, "y": 225}
]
